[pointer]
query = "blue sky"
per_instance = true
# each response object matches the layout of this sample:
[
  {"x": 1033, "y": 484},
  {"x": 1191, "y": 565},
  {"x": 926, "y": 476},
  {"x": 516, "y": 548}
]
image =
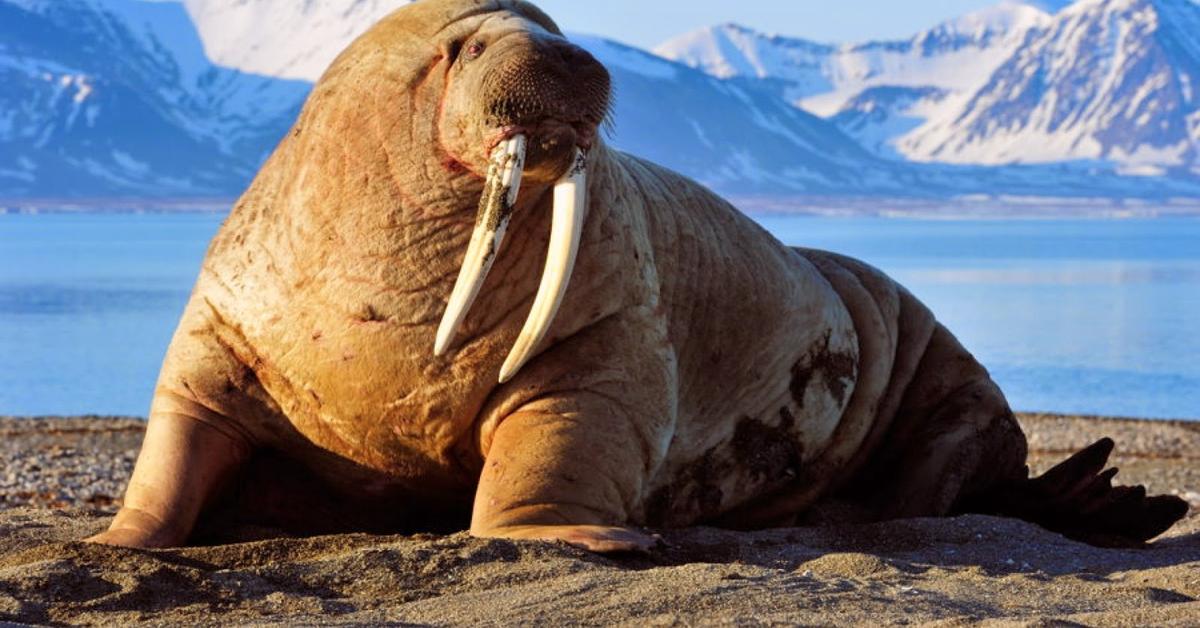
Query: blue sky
[{"x": 647, "y": 23}]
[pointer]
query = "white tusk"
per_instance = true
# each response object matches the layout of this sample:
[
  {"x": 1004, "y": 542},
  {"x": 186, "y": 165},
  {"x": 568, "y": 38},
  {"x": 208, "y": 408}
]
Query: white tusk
[
  {"x": 570, "y": 209},
  {"x": 495, "y": 210}
]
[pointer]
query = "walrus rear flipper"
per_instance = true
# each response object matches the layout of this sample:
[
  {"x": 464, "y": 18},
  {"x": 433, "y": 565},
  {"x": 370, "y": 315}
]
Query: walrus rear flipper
[{"x": 1076, "y": 498}]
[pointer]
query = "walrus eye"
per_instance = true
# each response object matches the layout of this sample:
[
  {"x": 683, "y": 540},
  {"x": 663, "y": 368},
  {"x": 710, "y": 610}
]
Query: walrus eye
[{"x": 473, "y": 50}]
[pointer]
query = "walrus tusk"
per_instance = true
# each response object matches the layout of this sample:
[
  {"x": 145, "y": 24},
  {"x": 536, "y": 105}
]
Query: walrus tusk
[
  {"x": 570, "y": 209},
  {"x": 495, "y": 209}
]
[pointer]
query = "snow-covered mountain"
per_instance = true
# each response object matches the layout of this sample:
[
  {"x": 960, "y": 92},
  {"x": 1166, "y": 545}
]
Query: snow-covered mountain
[
  {"x": 1109, "y": 80},
  {"x": 294, "y": 39},
  {"x": 162, "y": 98},
  {"x": 878, "y": 92},
  {"x": 822, "y": 78},
  {"x": 187, "y": 97},
  {"x": 1100, "y": 81},
  {"x": 117, "y": 97},
  {"x": 739, "y": 140},
  {"x": 735, "y": 138}
]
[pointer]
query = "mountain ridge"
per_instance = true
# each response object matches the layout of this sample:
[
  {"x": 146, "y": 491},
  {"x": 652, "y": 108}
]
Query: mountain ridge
[
  {"x": 996, "y": 87},
  {"x": 171, "y": 99},
  {"x": 92, "y": 106}
]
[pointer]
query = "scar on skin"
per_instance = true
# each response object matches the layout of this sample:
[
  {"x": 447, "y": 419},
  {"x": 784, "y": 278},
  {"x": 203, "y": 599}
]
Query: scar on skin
[{"x": 369, "y": 314}]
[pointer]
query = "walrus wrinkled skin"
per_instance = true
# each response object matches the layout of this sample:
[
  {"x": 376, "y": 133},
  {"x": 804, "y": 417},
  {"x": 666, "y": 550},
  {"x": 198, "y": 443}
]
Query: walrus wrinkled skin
[{"x": 698, "y": 371}]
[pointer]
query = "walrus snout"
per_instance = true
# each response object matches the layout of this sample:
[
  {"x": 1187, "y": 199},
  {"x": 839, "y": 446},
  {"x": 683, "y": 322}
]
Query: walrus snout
[{"x": 552, "y": 91}]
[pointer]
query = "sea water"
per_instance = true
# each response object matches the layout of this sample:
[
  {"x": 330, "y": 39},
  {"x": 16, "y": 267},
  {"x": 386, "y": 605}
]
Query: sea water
[{"x": 1076, "y": 316}]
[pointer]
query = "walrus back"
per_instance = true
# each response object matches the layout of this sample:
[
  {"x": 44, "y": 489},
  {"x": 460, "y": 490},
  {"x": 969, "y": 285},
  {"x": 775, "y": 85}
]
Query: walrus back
[
  {"x": 907, "y": 423},
  {"x": 943, "y": 439},
  {"x": 898, "y": 367},
  {"x": 920, "y": 400},
  {"x": 932, "y": 372}
]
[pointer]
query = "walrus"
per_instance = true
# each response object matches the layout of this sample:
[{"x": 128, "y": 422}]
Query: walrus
[{"x": 445, "y": 301}]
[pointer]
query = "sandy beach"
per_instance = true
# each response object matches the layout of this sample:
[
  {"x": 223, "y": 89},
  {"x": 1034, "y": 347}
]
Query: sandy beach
[{"x": 62, "y": 478}]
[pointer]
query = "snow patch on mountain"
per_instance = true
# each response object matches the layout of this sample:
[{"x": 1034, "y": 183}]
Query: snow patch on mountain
[
  {"x": 104, "y": 95},
  {"x": 290, "y": 39},
  {"x": 739, "y": 139},
  {"x": 1109, "y": 80},
  {"x": 878, "y": 115},
  {"x": 877, "y": 92},
  {"x": 955, "y": 56}
]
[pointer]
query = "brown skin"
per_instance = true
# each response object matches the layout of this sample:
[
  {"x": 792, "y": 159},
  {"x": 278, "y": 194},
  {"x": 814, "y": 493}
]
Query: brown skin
[{"x": 699, "y": 371}]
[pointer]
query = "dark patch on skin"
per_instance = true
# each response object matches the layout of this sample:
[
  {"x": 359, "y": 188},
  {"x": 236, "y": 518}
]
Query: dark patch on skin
[
  {"x": 801, "y": 374},
  {"x": 767, "y": 452},
  {"x": 707, "y": 493},
  {"x": 835, "y": 368},
  {"x": 658, "y": 505},
  {"x": 767, "y": 455},
  {"x": 838, "y": 368},
  {"x": 787, "y": 420},
  {"x": 695, "y": 489}
]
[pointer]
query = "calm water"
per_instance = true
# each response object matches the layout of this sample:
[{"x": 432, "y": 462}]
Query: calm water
[{"x": 1071, "y": 316}]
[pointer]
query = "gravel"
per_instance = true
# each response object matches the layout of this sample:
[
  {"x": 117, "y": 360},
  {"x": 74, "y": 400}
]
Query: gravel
[{"x": 60, "y": 463}]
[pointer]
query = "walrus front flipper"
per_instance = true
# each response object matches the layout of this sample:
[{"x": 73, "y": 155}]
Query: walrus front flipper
[
  {"x": 199, "y": 436},
  {"x": 1076, "y": 498}
]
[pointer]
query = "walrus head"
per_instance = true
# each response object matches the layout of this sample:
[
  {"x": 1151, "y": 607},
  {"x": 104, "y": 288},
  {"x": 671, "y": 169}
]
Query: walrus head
[
  {"x": 527, "y": 102},
  {"x": 514, "y": 75},
  {"x": 458, "y": 103}
]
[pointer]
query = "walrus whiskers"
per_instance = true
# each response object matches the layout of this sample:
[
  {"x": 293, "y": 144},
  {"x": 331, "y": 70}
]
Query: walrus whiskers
[
  {"x": 570, "y": 209},
  {"x": 495, "y": 211}
]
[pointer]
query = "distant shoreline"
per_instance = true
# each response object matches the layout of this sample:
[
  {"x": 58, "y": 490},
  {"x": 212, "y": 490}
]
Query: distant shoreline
[
  {"x": 117, "y": 206},
  {"x": 958, "y": 208},
  {"x": 1193, "y": 424}
]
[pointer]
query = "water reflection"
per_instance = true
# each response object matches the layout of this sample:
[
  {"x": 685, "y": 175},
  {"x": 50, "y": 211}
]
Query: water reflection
[
  {"x": 1115, "y": 273},
  {"x": 1094, "y": 317}
]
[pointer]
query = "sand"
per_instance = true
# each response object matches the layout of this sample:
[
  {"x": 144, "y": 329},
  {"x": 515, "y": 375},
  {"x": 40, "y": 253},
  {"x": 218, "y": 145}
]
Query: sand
[{"x": 61, "y": 479}]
